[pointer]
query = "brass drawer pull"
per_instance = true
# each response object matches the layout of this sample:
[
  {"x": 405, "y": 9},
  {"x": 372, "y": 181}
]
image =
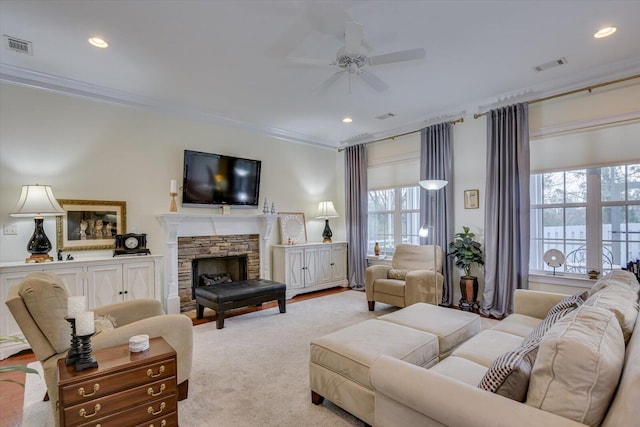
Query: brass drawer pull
[
  {"x": 162, "y": 424},
  {"x": 83, "y": 412},
  {"x": 151, "y": 393},
  {"x": 150, "y": 373},
  {"x": 81, "y": 392},
  {"x": 150, "y": 409}
]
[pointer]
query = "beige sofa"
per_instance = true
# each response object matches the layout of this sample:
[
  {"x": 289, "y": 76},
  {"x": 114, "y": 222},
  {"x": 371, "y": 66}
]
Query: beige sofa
[
  {"x": 39, "y": 306},
  {"x": 586, "y": 372}
]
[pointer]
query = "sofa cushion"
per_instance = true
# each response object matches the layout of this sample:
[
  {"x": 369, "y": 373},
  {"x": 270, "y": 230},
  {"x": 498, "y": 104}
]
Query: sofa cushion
[
  {"x": 104, "y": 323},
  {"x": 619, "y": 277},
  {"x": 45, "y": 297},
  {"x": 517, "y": 324},
  {"x": 397, "y": 274},
  {"x": 622, "y": 302},
  {"x": 485, "y": 347},
  {"x": 509, "y": 374},
  {"x": 578, "y": 388},
  {"x": 460, "y": 369}
]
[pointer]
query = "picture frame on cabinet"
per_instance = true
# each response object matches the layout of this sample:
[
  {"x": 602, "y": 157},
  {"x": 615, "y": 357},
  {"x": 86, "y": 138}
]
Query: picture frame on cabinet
[
  {"x": 90, "y": 224},
  {"x": 293, "y": 228}
]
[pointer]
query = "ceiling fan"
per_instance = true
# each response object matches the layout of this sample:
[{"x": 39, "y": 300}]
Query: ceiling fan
[{"x": 352, "y": 58}]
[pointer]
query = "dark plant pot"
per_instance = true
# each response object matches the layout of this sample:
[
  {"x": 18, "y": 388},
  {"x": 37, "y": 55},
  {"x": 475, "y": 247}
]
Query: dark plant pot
[{"x": 469, "y": 291}]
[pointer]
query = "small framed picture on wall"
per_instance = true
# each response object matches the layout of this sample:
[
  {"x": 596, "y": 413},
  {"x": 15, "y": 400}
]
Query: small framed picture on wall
[{"x": 471, "y": 199}]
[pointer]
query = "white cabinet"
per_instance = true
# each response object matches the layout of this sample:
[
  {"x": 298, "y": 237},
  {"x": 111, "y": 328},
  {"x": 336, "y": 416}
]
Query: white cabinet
[
  {"x": 120, "y": 282},
  {"x": 103, "y": 280},
  {"x": 310, "y": 267}
]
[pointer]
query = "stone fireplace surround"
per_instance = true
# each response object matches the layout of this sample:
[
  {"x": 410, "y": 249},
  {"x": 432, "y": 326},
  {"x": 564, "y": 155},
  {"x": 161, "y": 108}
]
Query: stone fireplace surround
[{"x": 177, "y": 225}]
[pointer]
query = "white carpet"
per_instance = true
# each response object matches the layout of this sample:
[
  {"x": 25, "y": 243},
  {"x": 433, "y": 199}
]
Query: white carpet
[{"x": 255, "y": 371}]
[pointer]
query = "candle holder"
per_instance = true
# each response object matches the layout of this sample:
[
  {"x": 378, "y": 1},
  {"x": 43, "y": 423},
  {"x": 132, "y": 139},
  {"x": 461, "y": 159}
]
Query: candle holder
[
  {"x": 74, "y": 351},
  {"x": 173, "y": 207},
  {"x": 85, "y": 359}
]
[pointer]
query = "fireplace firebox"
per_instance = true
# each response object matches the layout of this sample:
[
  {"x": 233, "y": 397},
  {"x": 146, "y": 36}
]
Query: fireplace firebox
[{"x": 235, "y": 266}]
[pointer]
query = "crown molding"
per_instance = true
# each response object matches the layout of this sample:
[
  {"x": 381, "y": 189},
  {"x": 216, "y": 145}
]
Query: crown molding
[{"x": 34, "y": 79}]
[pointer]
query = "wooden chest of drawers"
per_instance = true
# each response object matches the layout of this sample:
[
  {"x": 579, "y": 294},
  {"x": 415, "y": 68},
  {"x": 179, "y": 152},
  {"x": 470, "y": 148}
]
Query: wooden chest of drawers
[{"x": 126, "y": 389}]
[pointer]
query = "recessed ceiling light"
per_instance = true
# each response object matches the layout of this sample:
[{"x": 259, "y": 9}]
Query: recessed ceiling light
[
  {"x": 347, "y": 120},
  {"x": 604, "y": 32},
  {"x": 98, "y": 42}
]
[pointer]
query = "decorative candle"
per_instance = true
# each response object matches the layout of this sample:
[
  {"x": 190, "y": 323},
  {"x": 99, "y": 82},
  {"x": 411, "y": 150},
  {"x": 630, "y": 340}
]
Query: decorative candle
[
  {"x": 174, "y": 187},
  {"x": 84, "y": 324},
  {"x": 75, "y": 306}
]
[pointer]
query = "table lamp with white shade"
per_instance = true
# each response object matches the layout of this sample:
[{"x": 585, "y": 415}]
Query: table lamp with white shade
[
  {"x": 38, "y": 201},
  {"x": 432, "y": 185},
  {"x": 326, "y": 210}
]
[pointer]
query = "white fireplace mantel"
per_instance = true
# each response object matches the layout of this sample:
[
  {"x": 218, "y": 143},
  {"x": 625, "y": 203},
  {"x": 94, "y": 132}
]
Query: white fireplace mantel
[{"x": 177, "y": 225}]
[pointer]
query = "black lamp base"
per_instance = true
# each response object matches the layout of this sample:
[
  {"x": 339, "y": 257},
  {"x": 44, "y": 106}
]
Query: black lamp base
[
  {"x": 39, "y": 244},
  {"x": 326, "y": 234}
]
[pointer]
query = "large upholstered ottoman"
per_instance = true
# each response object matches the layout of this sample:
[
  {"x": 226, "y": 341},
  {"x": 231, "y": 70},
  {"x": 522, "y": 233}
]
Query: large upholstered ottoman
[
  {"x": 339, "y": 361},
  {"x": 453, "y": 327}
]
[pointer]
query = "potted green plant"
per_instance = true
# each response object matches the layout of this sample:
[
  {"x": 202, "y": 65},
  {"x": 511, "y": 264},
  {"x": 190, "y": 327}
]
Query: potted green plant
[{"x": 466, "y": 252}]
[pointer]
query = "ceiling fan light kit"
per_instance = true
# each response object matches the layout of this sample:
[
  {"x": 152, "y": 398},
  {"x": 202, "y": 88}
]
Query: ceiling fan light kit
[{"x": 353, "y": 58}]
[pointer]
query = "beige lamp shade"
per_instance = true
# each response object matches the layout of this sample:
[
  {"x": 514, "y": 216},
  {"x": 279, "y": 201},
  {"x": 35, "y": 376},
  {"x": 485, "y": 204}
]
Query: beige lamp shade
[
  {"x": 326, "y": 210},
  {"x": 37, "y": 200}
]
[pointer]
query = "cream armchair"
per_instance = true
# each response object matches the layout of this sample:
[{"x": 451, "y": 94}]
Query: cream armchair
[
  {"x": 39, "y": 305},
  {"x": 409, "y": 279}
]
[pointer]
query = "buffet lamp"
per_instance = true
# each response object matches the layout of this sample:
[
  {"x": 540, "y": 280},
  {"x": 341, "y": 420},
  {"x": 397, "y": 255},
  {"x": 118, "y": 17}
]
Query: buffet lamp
[
  {"x": 432, "y": 185},
  {"x": 326, "y": 211},
  {"x": 38, "y": 201}
]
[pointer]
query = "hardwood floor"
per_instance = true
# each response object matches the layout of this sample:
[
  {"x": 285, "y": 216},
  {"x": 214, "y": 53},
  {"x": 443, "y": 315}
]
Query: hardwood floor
[{"x": 12, "y": 395}]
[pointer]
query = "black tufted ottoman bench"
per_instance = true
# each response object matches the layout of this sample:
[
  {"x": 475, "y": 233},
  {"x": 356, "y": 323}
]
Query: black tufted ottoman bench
[{"x": 227, "y": 296}]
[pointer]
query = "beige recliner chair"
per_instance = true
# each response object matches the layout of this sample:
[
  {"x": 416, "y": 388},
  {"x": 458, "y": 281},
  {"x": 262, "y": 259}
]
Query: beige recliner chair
[
  {"x": 408, "y": 280},
  {"x": 39, "y": 305}
]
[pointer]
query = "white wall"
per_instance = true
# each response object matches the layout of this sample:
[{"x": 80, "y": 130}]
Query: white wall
[{"x": 90, "y": 150}]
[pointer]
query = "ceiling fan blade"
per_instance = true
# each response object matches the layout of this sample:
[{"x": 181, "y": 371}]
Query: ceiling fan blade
[
  {"x": 373, "y": 80},
  {"x": 309, "y": 62},
  {"x": 330, "y": 81},
  {"x": 399, "y": 56},
  {"x": 353, "y": 38}
]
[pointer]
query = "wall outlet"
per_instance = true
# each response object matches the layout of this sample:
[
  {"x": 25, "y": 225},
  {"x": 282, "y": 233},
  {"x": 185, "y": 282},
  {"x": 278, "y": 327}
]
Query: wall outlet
[{"x": 10, "y": 229}]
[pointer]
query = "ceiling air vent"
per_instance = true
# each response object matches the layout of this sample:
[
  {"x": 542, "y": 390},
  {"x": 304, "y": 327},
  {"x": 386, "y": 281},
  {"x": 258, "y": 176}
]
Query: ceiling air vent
[
  {"x": 551, "y": 64},
  {"x": 385, "y": 116},
  {"x": 17, "y": 45}
]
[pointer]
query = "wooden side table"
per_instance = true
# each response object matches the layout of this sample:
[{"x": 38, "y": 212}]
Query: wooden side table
[{"x": 125, "y": 389}]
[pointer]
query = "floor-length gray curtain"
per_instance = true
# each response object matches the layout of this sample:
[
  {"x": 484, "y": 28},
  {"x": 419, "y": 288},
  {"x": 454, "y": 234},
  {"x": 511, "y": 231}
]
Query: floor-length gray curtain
[
  {"x": 507, "y": 208},
  {"x": 436, "y": 163},
  {"x": 355, "y": 174}
]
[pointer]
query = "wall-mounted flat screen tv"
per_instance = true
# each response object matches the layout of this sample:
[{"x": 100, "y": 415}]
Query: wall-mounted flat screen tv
[{"x": 211, "y": 180}]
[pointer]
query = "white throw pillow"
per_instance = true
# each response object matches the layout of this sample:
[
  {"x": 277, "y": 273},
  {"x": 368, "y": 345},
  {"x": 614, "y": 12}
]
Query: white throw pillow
[
  {"x": 622, "y": 302},
  {"x": 578, "y": 366}
]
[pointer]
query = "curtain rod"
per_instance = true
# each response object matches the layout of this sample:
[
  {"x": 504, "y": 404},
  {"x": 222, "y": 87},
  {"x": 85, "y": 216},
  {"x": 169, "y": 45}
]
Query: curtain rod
[
  {"x": 571, "y": 92},
  {"x": 453, "y": 122}
]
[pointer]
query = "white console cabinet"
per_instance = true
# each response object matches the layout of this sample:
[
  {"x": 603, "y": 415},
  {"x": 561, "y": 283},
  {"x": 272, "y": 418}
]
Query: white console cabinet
[
  {"x": 103, "y": 280},
  {"x": 310, "y": 267}
]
